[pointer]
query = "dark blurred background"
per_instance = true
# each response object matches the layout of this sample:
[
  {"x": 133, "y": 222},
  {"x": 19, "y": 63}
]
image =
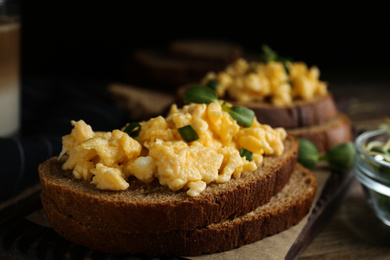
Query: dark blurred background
[{"x": 96, "y": 40}]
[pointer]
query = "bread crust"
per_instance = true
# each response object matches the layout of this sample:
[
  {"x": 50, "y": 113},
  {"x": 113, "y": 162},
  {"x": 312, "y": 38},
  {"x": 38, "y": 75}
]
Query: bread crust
[
  {"x": 152, "y": 208},
  {"x": 284, "y": 210},
  {"x": 299, "y": 114},
  {"x": 334, "y": 131}
]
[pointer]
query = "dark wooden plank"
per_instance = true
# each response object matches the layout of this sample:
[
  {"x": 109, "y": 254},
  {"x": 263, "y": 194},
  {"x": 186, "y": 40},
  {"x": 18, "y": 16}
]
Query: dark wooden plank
[{"x": 332, "y": 196}]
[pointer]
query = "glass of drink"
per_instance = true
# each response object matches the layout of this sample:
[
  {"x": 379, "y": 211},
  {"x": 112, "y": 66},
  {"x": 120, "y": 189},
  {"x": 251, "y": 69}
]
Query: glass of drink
[{"x": 9, "y": 68}]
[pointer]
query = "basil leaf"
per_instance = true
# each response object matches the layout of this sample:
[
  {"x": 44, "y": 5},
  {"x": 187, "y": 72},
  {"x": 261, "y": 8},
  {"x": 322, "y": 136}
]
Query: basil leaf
[
  {"x": 284, "y": 62},
  {"x": 268, "y": 54},
  {"x": 308, "y": 154},
  {"x": 244, "y": 116},
  {"x": 188, "y": 133},
  {"x": 341, "y": 157},
  {"x": 247, "y": 154},
  {"x": 213, "y": 84},
  {"x": 133, "y": 129},
  {"x": 200, "y": 94},
  {"x": 271, "y": 55}
]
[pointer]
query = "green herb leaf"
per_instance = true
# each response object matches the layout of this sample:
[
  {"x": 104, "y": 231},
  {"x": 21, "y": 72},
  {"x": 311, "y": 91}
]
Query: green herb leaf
[
  {"x": 380, "y": 150},
  {"x": 133, "y": 129},
  {"x": 244, "y": 116},
  {"x": 284, "y": 61},
  {"x": 268, "y": 54},
  {"x": 188, "y": 133},
  {"x": 213, "y": 84},
  {"x": 200, "y": 94},
  {"x": 247, "y": 154},
  {"x": 340, "y": 157},
  {"x": 308, "y": 154}
]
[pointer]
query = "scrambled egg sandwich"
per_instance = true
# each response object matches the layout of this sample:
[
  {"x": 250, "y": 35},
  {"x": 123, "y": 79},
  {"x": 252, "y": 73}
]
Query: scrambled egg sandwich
[{"x": 160, "y": 149}]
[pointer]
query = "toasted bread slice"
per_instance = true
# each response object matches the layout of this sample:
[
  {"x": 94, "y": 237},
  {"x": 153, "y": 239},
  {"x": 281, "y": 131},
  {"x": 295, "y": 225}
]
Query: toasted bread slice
[
  {"x": 285, "y": 209},
  {"x": 299, "y": 114},
  {"x": 332, "y": 132},
  {"x": 152, "y": 208}
]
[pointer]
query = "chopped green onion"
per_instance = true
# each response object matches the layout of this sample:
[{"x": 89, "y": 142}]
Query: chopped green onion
[
  {"x": 133, "y": 129},
  {"x": 247, "y": 154},
  {"x": 199, "y": 95},
  {"x": 188, "y": 133},
  {"x": 213, "y": 84}
]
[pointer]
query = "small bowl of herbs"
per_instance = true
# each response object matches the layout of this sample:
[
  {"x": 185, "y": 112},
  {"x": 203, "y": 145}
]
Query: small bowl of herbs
[{"x": 372, "y": 169}]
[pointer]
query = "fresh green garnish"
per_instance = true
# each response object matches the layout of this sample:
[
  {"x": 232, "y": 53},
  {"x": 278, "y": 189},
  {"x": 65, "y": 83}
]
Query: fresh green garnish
[
  {"x": 379, "y": 149},
  {"x": 247, "y": 154},
  {"x": 284, "y": 62},
  {"x": 269, "y": 55},
  {"x": 377, "y": 146},
  {"x": 244, "y": 116},
  {"x": 188, "y": 133},
  {"x": 199, "y": 95},
  {"x": 213, "y": 84},
  {"x": 308, "y": 153},
  {"x": 133, "y": 129},
  {"x": 340, "y": 157}
]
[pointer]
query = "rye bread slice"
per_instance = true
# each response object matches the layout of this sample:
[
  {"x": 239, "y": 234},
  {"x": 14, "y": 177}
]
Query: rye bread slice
[
  {"x": 332, "y": 132},
  {"x": 285, "y": 209},
  {"x": 152, "y": 208},
  {"x": 299, "y": 114}
]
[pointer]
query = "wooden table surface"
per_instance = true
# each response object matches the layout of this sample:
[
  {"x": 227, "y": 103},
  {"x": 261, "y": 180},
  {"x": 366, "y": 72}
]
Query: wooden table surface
[{"x": 354, "y": 232}]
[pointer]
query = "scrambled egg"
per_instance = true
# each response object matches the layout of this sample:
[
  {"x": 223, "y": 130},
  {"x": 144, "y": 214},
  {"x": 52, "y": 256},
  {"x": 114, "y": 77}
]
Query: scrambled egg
[
  {"x": 108, "y": 159},
  {"x": 255, "y": 81}
]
